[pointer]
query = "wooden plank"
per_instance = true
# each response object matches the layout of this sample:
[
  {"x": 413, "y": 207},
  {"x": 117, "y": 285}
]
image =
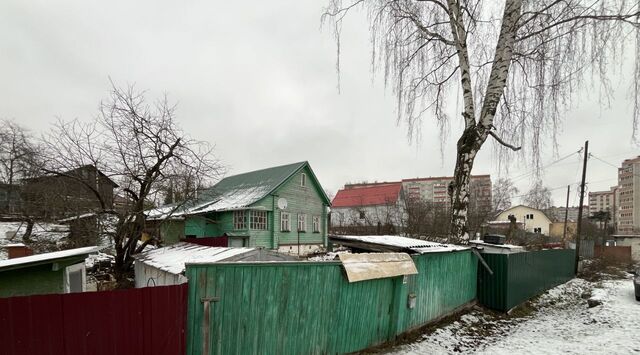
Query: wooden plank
[{"x": 360, "y": 267}]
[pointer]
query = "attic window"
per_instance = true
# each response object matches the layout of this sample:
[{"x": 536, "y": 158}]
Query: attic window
[{"x": 303, "y": 179}]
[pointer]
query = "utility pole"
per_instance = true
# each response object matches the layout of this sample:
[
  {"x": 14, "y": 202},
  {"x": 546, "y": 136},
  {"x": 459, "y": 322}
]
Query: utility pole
[
  {"x": 566, "y": 216},
  {"x": 579, "y": 228}
]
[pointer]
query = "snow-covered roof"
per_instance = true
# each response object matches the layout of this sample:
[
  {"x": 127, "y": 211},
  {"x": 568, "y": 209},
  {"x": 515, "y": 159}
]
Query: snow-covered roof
[
  {"x": 48, "y": 256},
  {"x": 173, "y": 258},
  {"x": 73, "y": 218},
  {"x": 480, "y": 242},
  {"x": 234, "y": 192},
  {"x": 395, "y": 241}
]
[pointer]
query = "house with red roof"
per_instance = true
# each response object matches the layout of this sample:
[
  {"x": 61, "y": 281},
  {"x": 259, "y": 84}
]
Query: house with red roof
[{"x": 373, "y": 205}]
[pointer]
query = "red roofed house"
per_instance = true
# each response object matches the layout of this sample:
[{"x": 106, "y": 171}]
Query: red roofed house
[{"x": 373, "y": 205}]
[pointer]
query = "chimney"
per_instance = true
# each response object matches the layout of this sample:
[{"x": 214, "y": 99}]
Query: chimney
[{"x": 18, "y": 250}]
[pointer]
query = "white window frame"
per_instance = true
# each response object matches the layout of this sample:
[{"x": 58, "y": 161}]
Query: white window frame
[
  {"x": 258, "y": 220},
  {"x": 239, "y": 220},
  {"x": 303, "y": 180},
  {"x": 74, "y": 268},
  {"x": 316, "y": 224},
  {"x": 302, "y": 222},
  {"x": 285, "y": 223}
]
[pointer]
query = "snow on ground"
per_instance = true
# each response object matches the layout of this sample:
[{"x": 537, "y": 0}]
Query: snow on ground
[
  {"x": 42, "y": 233},
  {"x": 561, "y": 324}
]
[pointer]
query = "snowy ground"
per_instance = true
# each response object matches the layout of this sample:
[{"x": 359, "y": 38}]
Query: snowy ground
[
  {"x": 43, "y": 233},
  {"x": 561, "y": 323}
]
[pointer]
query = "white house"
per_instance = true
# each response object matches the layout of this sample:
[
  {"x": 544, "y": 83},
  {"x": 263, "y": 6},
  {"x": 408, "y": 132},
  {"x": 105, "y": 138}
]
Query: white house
[
  {"x": 533, "y": 219},
  {"x": 368, "y": 205}
]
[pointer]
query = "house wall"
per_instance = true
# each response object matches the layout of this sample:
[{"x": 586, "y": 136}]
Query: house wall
[
  {"x": 556, "y": 229},
  {"x": 299, "y": 200},
  {"x": 350, "y": 216},
  {"x": 633, "y": 242},
  {"x": 172, "y": 231},
  {"x": 540, "y": 220},
  {"x": 34, "y": 280}
]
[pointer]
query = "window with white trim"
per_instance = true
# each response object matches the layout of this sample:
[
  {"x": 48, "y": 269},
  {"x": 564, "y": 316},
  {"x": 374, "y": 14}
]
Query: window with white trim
[
  {"x": 258, "y": 220},
  {"x": 316, "y": 224},
  {"x": 303, "y": 179},
  {"x": 285, "y": 222},
  {"x": 302, "y": 222},
  {"x": 239, "y": 220}
]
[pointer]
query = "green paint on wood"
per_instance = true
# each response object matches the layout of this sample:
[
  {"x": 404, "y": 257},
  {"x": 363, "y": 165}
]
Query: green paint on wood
[
  {"x": 521, "y": 276},
  {"x": 35, "y": 279},
  {"x": 311, "y": 308}
]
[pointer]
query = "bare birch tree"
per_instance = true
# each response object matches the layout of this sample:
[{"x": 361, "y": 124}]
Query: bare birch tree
[
  {"x": 503, "y": 191},
  {"x": 538, "y": 196},
  {"x": 18, "y": 153},
  {"x": 516, "y": 63},
  {"x": 140, "y": 147}
]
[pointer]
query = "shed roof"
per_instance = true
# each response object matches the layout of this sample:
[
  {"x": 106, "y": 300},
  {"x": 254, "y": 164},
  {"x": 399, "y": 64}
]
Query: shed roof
[
  {"x": 368, "y": 195},
  {"x": 46, "y": 257},
  {"x": 394, "y": 243},
  {"x": 173, "y": 258},
  {"x": 237, "y": 192}
]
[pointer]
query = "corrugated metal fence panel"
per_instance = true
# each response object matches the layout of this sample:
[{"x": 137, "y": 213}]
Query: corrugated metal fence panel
[
  {"x": 310, "y": 308},
  {"x": 135, "y": 321},
  {"x": 519, "y": 277},
  {"x": 287, "y": 309},
  {"x": 535, "y": 272},
  {"x": 445, "y": 281},
  {"x": 492, "y": 289}
]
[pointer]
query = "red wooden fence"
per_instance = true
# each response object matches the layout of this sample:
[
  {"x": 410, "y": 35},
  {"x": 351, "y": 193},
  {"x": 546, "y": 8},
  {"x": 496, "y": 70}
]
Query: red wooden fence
[{"x": 148, "y": 320}]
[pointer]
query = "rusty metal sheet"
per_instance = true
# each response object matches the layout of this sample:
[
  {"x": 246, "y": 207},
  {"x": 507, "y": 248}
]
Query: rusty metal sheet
[{"x": 369, "y": 266}]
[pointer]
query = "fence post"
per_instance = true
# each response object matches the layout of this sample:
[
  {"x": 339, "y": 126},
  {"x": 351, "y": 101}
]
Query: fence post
[{"x": 206, "y": 323}]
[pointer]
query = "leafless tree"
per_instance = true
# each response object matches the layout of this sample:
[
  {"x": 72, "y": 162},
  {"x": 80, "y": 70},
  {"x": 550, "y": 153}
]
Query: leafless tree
[
  {"x": 19, "y": 158},
  {"x": 503, "y": 191},
  {"x": 140, "y": 147},
  {"x": 538, "y": 197},
  {"x": 516, "y": 64}
]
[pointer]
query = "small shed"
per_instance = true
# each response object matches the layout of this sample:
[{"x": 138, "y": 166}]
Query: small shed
[
  {"x": 56, "y": 272},
  {"x": 166, "y": 266}
]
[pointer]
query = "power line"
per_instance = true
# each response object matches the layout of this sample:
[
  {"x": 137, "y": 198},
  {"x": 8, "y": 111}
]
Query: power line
[{"x": 521, "y": 176}]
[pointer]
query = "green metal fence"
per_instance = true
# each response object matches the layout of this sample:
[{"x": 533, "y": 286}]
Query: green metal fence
[
  {"x": 521, "y": 276},
  {"x": 311, "y": 308}
]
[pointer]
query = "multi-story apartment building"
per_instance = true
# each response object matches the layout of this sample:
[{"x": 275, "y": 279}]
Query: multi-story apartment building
[
  {"x": 629, "y": 196},
  {"x": 604, "y": 201},
  {"x": 435, "y": 189}
]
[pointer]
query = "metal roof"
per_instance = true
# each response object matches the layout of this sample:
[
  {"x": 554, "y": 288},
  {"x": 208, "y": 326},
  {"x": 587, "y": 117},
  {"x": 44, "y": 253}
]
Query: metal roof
[
  {"x": 395, "y": 243},
  {"x": 236, "y": 192},
  {"x": 368, "y": 195},
  {"x": 46, "y": 257},
  {"x": 173, "y": 258}
]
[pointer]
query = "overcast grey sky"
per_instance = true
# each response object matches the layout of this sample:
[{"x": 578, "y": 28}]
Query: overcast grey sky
[{"x": 258, "y": 80}]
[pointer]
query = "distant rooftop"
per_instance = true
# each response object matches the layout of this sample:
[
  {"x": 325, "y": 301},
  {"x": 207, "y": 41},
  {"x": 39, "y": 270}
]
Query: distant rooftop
[{"x": 374, "y": 195}]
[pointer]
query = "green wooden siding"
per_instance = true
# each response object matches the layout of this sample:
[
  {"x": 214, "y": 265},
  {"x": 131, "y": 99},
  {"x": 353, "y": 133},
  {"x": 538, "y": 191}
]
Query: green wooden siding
[
  {"x": 299, "y": 200},
  {"x": 311, "y": 308},
  {"x": 521, "y": 276},
  {"x": 172, "y": 231},
  {"x": 35, "y": 280}
]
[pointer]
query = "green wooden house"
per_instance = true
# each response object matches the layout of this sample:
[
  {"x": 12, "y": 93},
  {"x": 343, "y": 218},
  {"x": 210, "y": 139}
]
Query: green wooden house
[{"x": 282, "y": 208}]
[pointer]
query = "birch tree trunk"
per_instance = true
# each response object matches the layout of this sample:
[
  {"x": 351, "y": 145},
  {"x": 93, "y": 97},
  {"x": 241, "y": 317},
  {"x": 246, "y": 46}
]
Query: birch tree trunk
[{"x": 475, "y": 134}]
